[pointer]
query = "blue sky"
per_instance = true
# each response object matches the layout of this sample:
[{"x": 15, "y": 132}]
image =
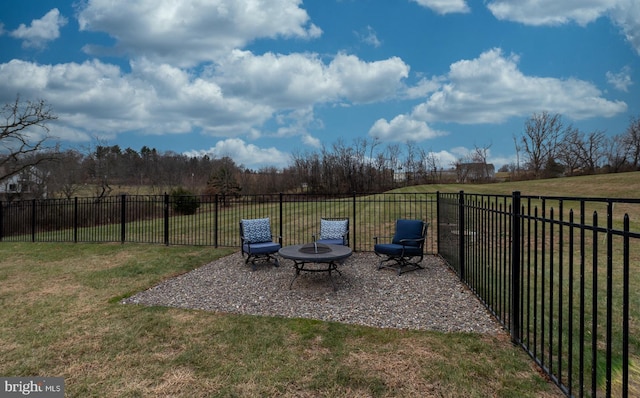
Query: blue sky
[{"x": 260, "y": 80}]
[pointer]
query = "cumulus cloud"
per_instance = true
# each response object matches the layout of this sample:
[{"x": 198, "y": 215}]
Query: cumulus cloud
[
  {"x": 365, "y": 82},
  {"x": 445, "y": 6},
  {"x": 403, "y": 128},
  {"x": 188, "y": 32},
  {"x": 549, "y": 12},
  {"x": 154, "y": 99},
  {"x": 240, "y": 93},
  {"x": 423, "y": 88},
  {"x": 623, "y": 13},
  {"x": 491, "y": 89},
  {"x": 626, "y": 15},
  {"x": 249, "y": 155},
  {"x": 620, "y": 80},
  {"x": 299, "y": 80},
  {"x": 41, "y": 31}
]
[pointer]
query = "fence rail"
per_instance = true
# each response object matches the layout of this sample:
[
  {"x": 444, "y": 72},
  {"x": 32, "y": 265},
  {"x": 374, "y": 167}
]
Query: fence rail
[{"x": 559, "y": 273}]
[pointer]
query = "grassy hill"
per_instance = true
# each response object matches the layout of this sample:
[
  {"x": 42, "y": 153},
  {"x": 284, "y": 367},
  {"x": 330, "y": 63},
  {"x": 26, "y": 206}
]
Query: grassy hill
[{"x": 619, "y": 185}]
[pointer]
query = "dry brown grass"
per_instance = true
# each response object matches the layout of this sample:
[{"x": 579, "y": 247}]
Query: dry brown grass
[{"x": 63, "y": 319}]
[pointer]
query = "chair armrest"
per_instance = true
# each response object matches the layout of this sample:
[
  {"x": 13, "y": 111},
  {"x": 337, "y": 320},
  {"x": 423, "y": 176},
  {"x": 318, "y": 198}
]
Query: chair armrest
[
  {"x": 375, "y": 238},
  {"x": 404, "y": 241}
]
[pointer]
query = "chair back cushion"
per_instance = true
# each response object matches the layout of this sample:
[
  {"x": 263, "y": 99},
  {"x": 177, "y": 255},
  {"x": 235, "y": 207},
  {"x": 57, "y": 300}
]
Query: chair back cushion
[
  {"x": 333, "y": 229},
  {"x": 408, "y": 229},
  {"x": 256, "y": 230}
]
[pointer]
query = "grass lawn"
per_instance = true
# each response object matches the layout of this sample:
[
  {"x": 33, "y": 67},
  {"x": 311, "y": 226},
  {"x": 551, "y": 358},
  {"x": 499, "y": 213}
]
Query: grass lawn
[{"x": 62, "y": 317}]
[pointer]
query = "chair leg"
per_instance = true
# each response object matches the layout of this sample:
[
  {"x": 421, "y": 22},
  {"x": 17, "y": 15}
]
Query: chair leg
[
  {"x": 265, "y": 258},
  {"x": 400, "y": 264}
]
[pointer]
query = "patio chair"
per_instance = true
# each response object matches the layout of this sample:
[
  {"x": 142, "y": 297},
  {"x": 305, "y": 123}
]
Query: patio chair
[
  {"x": 333, "y": 231},
  {"x": 257, "y": 242},
  {"x": 406, "y": 250}
]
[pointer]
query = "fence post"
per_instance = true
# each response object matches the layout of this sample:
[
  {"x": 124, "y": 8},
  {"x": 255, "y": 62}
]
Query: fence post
[
  {"x": 75, "y": 219},
  {"x": 516, "y": 334},
  {"x": 33, "y": 220},
  {"x": 1, "y": 219},
  {"x": 166, "y": 219},
  {"x": 353, "y": 223},
  {"x": 215, "y": 220},
  {"x": 280, "y": 196},
  {"x": 461, "y": 229},
  {"x": 438, "y": 221},
  {"x": 123, "y": 217}
]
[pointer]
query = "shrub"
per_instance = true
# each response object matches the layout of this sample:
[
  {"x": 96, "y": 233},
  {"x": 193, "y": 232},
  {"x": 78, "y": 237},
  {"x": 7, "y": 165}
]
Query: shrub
[{"x": 184, "y": 201}]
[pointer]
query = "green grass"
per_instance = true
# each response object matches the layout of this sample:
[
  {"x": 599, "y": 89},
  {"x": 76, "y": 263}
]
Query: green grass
[{"x": 62, "y": 317}]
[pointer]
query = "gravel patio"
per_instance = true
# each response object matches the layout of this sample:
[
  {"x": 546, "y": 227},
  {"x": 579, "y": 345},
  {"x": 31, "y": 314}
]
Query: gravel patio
[{"x": 429, "y": 299}]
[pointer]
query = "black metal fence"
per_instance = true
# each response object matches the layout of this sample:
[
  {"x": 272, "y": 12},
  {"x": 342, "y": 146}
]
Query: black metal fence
[
  {"x": 158, "y": 219},
  {"x": 559, "y": 273}
]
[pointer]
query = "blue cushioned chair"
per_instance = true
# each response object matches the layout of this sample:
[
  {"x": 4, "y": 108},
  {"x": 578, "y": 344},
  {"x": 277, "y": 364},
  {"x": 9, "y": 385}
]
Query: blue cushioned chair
[
  {"x": 406, "y": 249},
  {"x": 257, "y": 241},
  {"x": 333, "y": 231}
]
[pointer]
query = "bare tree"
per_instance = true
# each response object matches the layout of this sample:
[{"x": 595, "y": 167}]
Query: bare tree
[
  {"x": 592, "y": 151},
  {"x": 66, "y": 175},
  {"x": 23, "y": 132},
  {"x": 483, "y": 171},
  {"x": 568, "y": 150},
  {"x": 432, "y": 165},
  {"x": 632, "y": 140},
  {"x": 540, "y": 139},
  {"x": 617, "y": 153}
]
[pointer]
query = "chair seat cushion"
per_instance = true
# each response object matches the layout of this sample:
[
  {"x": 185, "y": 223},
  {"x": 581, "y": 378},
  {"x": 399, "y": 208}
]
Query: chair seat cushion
[
  {"x": 392, "y": 249},
  {"x": 261, "y": 248},
  {"x": 331, "y": 241}
]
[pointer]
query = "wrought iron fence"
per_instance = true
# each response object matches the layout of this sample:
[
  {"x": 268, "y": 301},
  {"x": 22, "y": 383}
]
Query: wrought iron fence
[
  {"x": 560, "y": 273},
  {"x": 159, "y": 218},
  {"x": 563, "y": 282}
]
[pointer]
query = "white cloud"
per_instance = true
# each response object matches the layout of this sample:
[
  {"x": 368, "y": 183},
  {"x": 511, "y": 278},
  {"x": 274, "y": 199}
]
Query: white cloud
[
  {"x": 402, "y": 128},
  {"x": 297, "y": 122},
  {"x": 249, "y": 155},
  {"x": 155, "y": 99},
  {"x": 445, "y": 6},
  {"x": 188, "y": 32},
  {"x": 423, "y": 88},
  {"x": 624, "y": 13},
  {"x": 620, "y": 80},
  {"x": 232, "y": 99},
  {"x": 549, "y": 12},
  {"x": 369, "y": 36},
  {"x": 300, "y": 80},
  {"x": 41, "y": 31},
  {"x": 311, "y": 141},
  {"x": 491, "y": 89},
  {"x": 364, "y": 82}
]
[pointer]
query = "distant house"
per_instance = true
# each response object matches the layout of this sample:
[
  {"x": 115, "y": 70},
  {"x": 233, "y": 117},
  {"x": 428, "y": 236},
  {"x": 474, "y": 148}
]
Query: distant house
[
  {"x": 475, "y": 172},
  {"x": 27, "y": 184}
]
